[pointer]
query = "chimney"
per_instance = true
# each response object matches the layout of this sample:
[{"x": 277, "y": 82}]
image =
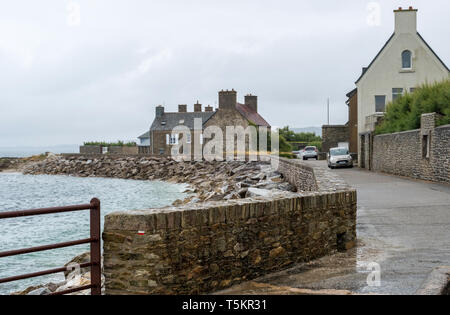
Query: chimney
[
  {"x": 182, "y": 108},
  {"x": 197, "y": 107},
  {"x": 252, "y": 102},
  {"x": 227, "y": 99},
  {"x": 405, "y": 20},
  {"x": 159, "y": 111},
  {"x": 208, "y": 108}
]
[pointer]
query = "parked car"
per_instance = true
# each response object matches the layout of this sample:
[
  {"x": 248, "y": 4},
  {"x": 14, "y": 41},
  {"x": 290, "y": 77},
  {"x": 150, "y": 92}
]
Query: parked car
[
  {"x": 339, "y": 157},
  {"x": 309, "y": 152}
]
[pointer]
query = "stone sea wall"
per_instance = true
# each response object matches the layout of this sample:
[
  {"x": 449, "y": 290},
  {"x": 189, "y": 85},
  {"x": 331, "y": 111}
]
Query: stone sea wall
[{"x": 205, "y": 247}]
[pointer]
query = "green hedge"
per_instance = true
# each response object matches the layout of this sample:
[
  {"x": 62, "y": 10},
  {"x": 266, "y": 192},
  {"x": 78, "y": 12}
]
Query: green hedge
[
  {"x": 111, "y": 144},
  {"x": 405, "y": 112}
]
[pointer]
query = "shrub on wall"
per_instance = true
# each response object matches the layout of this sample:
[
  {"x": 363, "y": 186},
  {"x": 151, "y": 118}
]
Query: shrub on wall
[
  {"x": 111, "y": 144},
  {"x": 405, "y": 112}
]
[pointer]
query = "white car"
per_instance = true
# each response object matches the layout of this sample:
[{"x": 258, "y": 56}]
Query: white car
[
  {"x": 339, "y": 157},
  {"x": 309, "y": 152}
]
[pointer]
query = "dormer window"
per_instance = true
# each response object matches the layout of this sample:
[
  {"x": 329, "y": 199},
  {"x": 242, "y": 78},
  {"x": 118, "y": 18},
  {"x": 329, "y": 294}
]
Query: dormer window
[{"x": 406, "y": 59}]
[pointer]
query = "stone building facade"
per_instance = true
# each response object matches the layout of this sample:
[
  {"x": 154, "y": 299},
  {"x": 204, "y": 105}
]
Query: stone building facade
[{"x": 229, "y": 113}]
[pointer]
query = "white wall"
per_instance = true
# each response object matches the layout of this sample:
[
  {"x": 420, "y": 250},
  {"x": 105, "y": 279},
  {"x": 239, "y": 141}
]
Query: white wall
[
  {"x": 386, "y": 72},
  {"x": 144, "y": 141}
]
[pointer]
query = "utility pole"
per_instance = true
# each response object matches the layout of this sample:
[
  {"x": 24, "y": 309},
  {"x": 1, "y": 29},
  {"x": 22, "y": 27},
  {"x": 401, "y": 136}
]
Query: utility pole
[{"x": 328, "y": 111}]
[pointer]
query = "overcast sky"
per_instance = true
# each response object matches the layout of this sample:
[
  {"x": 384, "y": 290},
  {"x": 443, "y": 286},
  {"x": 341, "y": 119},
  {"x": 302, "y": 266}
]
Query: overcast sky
[{"x": 64, "y": 79}]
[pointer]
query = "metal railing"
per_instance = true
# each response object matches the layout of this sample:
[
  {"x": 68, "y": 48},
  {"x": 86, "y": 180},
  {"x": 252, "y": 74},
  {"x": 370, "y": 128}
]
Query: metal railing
[{"x": 94, "y": 241}]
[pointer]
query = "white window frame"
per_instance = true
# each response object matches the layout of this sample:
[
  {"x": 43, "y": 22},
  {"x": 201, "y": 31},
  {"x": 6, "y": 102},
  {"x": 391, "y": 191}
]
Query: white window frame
[{"x": 410, "y": 59}]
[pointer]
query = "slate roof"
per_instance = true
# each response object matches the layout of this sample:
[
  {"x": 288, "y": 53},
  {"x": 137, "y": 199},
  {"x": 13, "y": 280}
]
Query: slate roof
[
  {"x": 145, "y": 135},
  {"x": 176, "y": 119},
  {"x": 251, "y": 115}
]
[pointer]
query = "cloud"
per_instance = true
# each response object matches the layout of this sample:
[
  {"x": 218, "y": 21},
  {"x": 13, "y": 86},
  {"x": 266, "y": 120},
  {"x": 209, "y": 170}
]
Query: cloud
[{"x": 101, "y": 79}]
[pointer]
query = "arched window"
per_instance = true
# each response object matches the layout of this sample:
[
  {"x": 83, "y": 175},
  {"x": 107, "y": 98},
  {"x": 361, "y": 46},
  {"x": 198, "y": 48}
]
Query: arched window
[{"x": 406, "y": 59}]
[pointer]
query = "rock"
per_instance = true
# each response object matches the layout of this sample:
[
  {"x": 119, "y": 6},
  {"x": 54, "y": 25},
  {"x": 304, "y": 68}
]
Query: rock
[
  {"x": 256, "y": 192},
  {"x": 242, "y": 192},
  {"x": 80, "y": 259},
  {"x": 40, "y": 291}
]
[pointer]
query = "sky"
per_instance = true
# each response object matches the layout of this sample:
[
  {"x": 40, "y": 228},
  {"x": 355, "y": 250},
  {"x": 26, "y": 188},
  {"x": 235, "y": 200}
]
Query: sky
[{"x": 84, "y": 70}]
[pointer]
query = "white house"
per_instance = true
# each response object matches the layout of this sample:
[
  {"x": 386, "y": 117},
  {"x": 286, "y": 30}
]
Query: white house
[
  {"x": 144, "y": 139},
  {"x": 405, "y": 62}
]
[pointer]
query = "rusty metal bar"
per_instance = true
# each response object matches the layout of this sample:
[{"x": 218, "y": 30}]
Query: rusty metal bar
[
  {"x": 85, "y": 287},
  {"x": 40, "y": 273},
  {"x": 25, "y": 213},
  {"x": 44, "y": 247},
  {"x": 94, "y": 240},
  {"x": 96, "y": 269}
]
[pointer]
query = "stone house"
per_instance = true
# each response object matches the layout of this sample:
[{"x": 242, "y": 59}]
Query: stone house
[
  {"x": 228, "y": 113},
  {"x": 404, "y": 63}
]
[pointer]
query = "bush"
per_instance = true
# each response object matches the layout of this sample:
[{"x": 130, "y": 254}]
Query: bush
[
  {"x": 291, "y": 136},
  {"x": 119, "y": 143},
  {"x": 405, "y": 112}
]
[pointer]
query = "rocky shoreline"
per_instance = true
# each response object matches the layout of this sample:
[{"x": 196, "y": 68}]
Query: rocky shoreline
[
  {"x": 208, "y": 181},
  {"x": 73, "y": 278}
]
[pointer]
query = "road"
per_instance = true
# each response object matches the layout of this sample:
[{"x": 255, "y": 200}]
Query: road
[{"x": 403, "y": 226}]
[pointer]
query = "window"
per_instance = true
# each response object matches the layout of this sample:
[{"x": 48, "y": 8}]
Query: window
[
  {"x": 406, "y": 59},
  {"x": 396, "y": 93},
  {"x": 380, "y": 103},
  {"x": 171, "y": 139},
  {"x": 411, "y": 90},
  {"x": 188, "y": 138}
]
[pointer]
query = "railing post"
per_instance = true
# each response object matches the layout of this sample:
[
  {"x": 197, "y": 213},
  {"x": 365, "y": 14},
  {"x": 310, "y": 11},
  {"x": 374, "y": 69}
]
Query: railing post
[{"x": 96, "y": 272}]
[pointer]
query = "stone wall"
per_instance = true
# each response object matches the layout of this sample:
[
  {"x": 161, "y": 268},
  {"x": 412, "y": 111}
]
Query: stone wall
[
  {"x": 97, "y": 149},
  {"x": 90, "y": 149},
  {"x": 123, "y": 150},
  {"x": 422, "y": 153},
  {"x": 333, "y": 134},
  {"x": 202, "y": 248}
]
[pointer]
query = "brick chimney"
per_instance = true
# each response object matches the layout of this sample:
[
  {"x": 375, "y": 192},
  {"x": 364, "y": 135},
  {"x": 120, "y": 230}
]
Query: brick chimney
[
  {"x": 182, "y": 108},
  {"x": 405, "y": 20},
  {"x": 252, "y": 102},
  {"x": 227, "y": 99},
  {"x": 159, "y": 111},
  {"x": 197, "y": 107},
  {"x": 208, "y": 108}
]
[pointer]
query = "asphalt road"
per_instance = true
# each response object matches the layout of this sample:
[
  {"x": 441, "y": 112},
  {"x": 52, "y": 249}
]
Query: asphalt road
[{"x": 403, "y": 227}]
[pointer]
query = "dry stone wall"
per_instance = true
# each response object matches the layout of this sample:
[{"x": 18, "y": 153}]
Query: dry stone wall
[{"x": 422, "y": 153}]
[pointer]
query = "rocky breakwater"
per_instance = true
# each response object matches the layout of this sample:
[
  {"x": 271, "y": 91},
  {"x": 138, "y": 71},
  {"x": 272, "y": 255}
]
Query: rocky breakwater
[
  {"x": 208, "y": 181},
  {"x": 74, "y": 277}
]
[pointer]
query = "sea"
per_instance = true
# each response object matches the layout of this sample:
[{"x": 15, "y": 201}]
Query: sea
[{"x": 19, "y": 192}]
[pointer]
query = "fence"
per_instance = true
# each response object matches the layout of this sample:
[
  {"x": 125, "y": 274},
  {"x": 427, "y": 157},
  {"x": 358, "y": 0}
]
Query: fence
[{"x": 94, "y": 241}]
